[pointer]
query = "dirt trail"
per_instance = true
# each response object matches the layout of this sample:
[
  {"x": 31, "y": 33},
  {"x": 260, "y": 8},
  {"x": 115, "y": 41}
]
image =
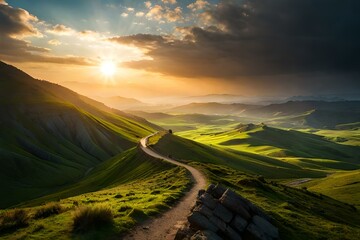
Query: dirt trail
[
  {"x": 166, "y": 225},
  {"x": 298, "y": 182}
]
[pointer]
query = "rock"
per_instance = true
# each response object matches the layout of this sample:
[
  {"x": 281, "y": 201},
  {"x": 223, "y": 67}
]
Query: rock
[
  {"x": 183, "y": 233},
  {"x": 201, "y": 192},
  {"x": 265, "y": 226},
  {"x": 218, "y": 191},
  {"x": 243, "y": 201},
  {"x": 258, "y": 211},
  {"x": 204, "y": 210},
  {"x": 208, "y": 235},
  {"x": 223, "y": 213},
  {"x": 200, "y": 222},
  {"x": 218, "y": 222},
  {"x": 256, "y": 233},
  {"x": 238, "y": 223},
  {"x": 232, "y": 234},
  {"x": 210, "y": 188},
  {"x": 232, "y": 202},
  {"x": 208, "y": 200},
  {"x": 198, "y": 236}
]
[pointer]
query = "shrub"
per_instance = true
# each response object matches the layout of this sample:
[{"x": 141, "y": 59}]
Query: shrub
[
  {"x": 13, "y": 220},
  {"x": 87, "y": 218},
  {"x": 48, "y": 210}
]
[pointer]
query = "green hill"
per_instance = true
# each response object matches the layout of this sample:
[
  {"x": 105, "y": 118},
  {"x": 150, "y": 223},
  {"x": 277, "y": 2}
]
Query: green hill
[
  {"x": 132, "y": 185},
  {"x": 344, "y": 186},
  {"x": 188, "y": 150},
  {"x": 51, "y": 136}
]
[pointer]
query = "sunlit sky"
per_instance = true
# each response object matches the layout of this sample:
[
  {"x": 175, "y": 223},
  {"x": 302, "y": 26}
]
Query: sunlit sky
[{"x": 191, "y": 47}]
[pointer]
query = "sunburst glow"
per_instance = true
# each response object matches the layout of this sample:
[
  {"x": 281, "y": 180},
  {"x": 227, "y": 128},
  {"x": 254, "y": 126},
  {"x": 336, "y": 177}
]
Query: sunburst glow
[{"x": 108, "y": 68}]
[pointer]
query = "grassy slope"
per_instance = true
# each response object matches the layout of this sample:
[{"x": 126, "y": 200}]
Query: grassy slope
[
  {"x": 333, "y": 151},
  {"x": 132, "y": 184},
  {"x": 299, "y": 214},
  {"x": 344, "y": 186},
  {"x": 303, "y": 149},
  {"x": 182, "y": 148},
  {"x": 51, "y": 136}
]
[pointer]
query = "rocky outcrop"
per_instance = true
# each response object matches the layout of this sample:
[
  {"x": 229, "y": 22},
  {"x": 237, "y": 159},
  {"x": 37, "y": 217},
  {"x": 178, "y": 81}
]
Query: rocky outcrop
[{"x": 220, "y": 213}]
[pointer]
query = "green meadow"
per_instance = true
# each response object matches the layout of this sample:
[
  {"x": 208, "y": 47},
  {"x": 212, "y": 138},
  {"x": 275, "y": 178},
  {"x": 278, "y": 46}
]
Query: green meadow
[{"x": 133, "y": 187}]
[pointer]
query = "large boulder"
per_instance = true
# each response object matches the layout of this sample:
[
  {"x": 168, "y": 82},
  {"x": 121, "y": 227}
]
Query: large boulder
[
  {"x": 218, "y": 222},
  {"x": 266, "y": 226},
  {"x": 204, "y": 210},
  {"x": 232, "y": 234},
  {"x": 254, "y": 232},
  {"x": 239, "y": 223},
  {"x": 218, "y": 191},
  {"x": 208, "y": 200},
  {"x": 221, "y": 212},
  {"x": 200, "y": 222},
  {"x": 233, "y": 203}
]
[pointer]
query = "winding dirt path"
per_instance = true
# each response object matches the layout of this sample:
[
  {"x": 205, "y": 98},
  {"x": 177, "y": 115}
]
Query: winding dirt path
[{"x": 167, "y": 224}]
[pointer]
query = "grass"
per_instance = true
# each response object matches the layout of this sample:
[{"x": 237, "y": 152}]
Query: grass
[
  {"x": 52, "y": 137},
  {"x": 344, "y": 186},
  {"x": 299, "y": 213},
  {"x": 188, "y": 150},
  {"x": 130, "y": 203},
  {"x": 48, "y": 209},
  {"x": 91, "y": 218},
  {"x": 13, "y": 219}
]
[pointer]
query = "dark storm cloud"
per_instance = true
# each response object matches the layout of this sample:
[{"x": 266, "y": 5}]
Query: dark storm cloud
[
  {"x": 15, "y": 25},
  {"x": 259, "y": 37}
]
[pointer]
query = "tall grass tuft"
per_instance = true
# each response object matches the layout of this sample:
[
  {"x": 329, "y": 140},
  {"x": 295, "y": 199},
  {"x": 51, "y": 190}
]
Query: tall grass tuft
[
  {"x": 87, "y": 218},
  {"x": 13, "y": 220},
  {"x": 48, "y": 209}
]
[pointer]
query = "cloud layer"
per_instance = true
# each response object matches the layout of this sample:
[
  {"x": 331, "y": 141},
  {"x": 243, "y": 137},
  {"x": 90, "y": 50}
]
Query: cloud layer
[{"x": 259, "y": 38}]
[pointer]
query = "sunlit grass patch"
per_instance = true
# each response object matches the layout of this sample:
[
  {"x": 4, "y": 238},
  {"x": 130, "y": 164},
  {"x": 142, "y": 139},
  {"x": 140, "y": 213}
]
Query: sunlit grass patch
[
  {"x": 48, "y": 210},
  {"x": 129, "y": 204},
  {"x": 89, "y": 218}
]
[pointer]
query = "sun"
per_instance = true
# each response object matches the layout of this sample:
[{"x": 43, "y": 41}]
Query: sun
[{"x": 108, "y": 68}]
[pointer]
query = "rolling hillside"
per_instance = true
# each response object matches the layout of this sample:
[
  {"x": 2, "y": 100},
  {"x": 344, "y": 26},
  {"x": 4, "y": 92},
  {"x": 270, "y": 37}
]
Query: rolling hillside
[
  {"x": 303, "y": 149},
  {"x": 52, "y": 136},
  {"x": 188, "y": 150}
]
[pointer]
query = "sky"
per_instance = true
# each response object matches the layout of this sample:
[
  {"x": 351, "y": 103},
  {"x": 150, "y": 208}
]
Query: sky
[{"x": 186, "y": 48}]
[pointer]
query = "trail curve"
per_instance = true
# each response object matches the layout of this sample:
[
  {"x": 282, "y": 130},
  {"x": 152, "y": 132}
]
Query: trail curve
[{"x": 166, "y": 225}]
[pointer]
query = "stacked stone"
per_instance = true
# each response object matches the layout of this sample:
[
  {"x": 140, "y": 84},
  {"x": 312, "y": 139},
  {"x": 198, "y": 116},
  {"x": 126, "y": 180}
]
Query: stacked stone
[{"x": 220, "y": 213}]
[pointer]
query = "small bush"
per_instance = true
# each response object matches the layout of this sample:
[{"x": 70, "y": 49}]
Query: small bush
[
  {"x": 87, "y": 218},
  {"x": 13, "y": 220},
  {"x": 48, "y": 210}
]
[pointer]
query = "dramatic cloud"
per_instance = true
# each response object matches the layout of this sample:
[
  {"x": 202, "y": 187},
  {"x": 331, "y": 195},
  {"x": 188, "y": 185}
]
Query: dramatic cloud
[
  {"x": 17, "y": 24},
  {"x": 198, "y": 5},
  {"x": 60, "y": 29},
  {"x": 169, "y": 1},
  {"x": 160, "y": 13},
  {"x": 259, "y": 38}
]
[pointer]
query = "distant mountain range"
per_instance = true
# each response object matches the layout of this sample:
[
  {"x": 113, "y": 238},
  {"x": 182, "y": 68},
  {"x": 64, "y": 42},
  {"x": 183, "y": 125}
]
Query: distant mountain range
[
  {"x": 51, "y": 136},
  {"x": 319, "y": 114},
  {"x": 122, "y": 103}
]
